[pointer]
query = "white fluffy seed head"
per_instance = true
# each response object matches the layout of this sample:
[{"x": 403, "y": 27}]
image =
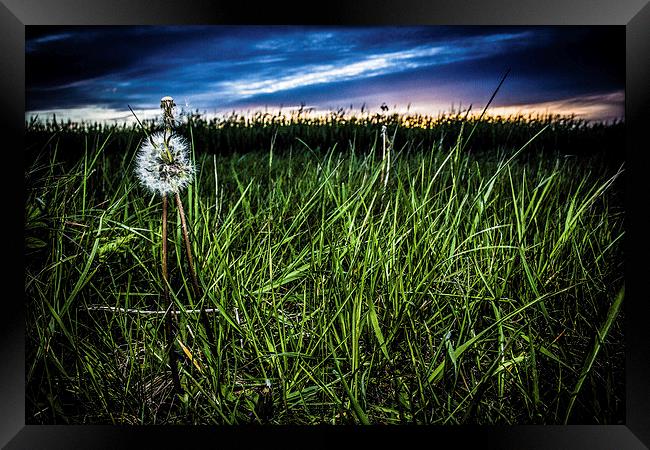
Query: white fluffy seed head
[{"x": 156, "y": 171}]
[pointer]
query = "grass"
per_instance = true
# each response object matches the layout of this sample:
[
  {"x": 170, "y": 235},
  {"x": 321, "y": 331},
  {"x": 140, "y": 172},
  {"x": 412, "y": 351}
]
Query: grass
[
  {"x": 476, "y": 287},
  {"x": 413, "y": 132}
]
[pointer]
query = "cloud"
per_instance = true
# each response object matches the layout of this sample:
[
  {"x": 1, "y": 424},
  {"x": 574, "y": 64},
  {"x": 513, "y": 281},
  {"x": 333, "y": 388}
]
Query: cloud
[
  {"x": 239, "y": 65},
  {"x": 93, "y": 113},
  {"x": 238, "y": 68},
  {"x": 33, "y": 44},
  {"x": 366, "y": 66},
  {"x": 598, "y": 107}
]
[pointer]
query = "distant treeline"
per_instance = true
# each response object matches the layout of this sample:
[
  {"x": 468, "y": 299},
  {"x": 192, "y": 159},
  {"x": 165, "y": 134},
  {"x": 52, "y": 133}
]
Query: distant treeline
[{"x": 241, "y": 134}]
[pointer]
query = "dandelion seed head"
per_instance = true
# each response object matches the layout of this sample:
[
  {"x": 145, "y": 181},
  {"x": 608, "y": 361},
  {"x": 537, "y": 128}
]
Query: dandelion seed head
[
  {"x": 156, "y": 171},
  {"x": 167, "y": 105}
]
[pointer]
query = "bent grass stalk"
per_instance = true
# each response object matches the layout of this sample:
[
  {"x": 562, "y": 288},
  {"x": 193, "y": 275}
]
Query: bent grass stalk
[{"x": 599, "y": 340}]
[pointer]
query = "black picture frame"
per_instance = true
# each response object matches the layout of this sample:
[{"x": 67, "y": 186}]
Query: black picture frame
[{"x": 634, "y": 15}]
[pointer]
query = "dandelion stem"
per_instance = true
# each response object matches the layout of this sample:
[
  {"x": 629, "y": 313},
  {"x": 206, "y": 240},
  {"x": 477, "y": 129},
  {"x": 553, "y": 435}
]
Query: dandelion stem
[
  {"x": 166, "y": 144},
  {"x": 195, "y": 282},
  {"x": 387, "y": 152},
  {"x": 168, "y": 317},
  {"x": 188, "y": 248}
]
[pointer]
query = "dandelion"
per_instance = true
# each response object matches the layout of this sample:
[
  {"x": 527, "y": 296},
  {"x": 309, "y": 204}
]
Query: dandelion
[
  {"x": 167, "y": 105},
  {"x": 163, "y": 165}
]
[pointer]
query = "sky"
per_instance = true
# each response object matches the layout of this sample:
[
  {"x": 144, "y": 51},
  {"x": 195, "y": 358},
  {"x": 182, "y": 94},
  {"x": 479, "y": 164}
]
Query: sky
[{"x": 97, "y": 73}]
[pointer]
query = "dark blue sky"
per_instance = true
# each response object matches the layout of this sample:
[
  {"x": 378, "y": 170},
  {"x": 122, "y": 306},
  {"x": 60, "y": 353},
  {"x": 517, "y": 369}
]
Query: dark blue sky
[{"x": 96, "y": 72}]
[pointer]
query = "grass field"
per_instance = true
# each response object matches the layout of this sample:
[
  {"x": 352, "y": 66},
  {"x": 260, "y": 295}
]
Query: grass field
[{"x": 451, "y": 286}]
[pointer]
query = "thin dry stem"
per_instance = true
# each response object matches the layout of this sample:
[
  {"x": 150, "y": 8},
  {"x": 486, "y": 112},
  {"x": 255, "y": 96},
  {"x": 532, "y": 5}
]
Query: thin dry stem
[
  {"x": 188, "y": 247},
  {"x": 195, "y": 282}
]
